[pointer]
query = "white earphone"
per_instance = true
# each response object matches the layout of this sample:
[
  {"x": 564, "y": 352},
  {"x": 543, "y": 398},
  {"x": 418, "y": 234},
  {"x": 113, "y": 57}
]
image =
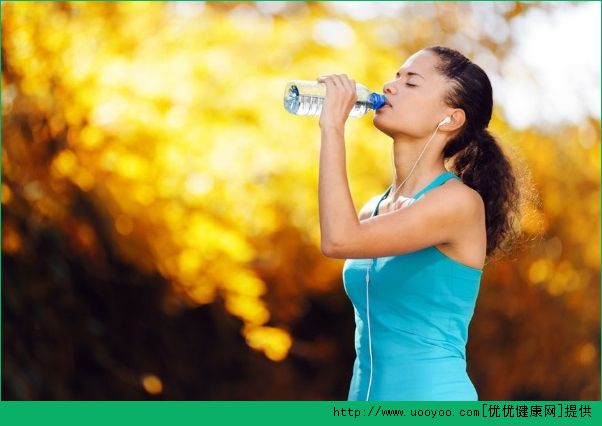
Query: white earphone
[{"x": 446, "y": 120}]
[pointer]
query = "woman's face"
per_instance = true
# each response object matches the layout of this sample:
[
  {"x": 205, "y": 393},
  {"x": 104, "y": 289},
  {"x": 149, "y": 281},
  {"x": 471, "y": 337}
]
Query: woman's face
[{"x": 416, "y": 96}]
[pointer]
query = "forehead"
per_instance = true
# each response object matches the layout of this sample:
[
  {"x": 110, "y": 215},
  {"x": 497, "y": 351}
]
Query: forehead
[{"x": 422, "y": 62}]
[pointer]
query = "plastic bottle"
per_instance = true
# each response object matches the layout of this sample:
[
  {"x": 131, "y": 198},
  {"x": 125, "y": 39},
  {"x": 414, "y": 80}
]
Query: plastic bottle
[{"x": 304, "y": 97}]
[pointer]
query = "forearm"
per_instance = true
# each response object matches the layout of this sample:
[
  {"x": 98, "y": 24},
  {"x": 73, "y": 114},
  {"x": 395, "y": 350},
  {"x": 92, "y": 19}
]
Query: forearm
[{"x": 337, "y": 212}]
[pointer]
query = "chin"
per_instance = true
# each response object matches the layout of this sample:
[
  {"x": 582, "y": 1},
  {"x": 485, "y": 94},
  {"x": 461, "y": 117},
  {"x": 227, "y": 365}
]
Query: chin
[{"x": 382, "y": 126}]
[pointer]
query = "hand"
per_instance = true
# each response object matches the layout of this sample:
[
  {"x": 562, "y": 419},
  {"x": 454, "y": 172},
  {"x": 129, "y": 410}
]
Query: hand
[{"x": 341, "y": 96}]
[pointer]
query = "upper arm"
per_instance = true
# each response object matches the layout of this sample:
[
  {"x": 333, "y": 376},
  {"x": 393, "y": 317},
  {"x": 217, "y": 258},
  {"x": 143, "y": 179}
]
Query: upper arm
[{"x": 440, "y": 216}]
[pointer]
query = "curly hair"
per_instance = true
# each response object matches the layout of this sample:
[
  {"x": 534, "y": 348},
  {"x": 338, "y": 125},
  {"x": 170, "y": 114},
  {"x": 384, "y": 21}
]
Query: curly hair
[{"x": 479, "y": 159}]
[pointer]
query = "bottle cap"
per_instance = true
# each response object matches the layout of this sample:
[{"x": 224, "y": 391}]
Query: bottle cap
[{"x": 377, "y": 100}]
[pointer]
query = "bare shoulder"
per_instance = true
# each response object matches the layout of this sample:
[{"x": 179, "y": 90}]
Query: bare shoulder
[
  {"x": 461, "y": 208},
  {"x": 460, "y": 197},
  {"x": 458, "y": 189},
  {"x": 464, "y": 212}
]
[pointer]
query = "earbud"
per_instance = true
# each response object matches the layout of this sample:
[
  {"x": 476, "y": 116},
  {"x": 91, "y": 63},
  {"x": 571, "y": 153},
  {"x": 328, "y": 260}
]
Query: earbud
[{"x": 446, "y": 120}]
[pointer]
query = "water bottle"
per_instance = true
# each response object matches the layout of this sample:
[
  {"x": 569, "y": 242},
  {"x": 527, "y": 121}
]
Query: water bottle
[{"x": 306, "y": 98}]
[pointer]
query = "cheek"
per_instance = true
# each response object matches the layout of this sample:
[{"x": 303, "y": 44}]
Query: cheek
[
  {"x": 406, "y": 120},
  {"x": 419, "y": 112}
]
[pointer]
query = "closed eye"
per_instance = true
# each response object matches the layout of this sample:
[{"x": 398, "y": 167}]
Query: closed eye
[{"x": 397, "y": 75}]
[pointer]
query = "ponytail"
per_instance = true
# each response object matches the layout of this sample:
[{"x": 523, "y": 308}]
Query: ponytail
[
  {"x": 477, "y": 158},
  {"x": 483, "y": 166}
]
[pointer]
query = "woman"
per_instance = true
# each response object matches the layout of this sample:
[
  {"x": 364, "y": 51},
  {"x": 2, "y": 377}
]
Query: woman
[{"x": 413, "y": 269}]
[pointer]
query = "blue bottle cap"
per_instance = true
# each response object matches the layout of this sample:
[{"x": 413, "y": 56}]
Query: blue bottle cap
[{"x": 377, "y": 100}]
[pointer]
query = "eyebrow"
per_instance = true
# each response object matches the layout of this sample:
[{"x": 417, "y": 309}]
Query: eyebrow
[{"x": 410, "y": 73}]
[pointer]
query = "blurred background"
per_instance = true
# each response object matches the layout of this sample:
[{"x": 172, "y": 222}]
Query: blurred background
[{"x": 160, "y": 228}]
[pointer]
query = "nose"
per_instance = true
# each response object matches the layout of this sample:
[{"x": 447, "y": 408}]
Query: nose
[{"x": 389, "y": 88}]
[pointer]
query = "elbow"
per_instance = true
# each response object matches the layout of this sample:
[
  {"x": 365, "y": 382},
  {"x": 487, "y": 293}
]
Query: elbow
[
  {"x": 330, "y": 250},
  {"x": 327, "y": 249}
]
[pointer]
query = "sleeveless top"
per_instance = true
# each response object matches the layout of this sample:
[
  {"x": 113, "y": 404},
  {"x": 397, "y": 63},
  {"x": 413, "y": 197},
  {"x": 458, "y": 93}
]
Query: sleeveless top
[{"x": 412, "y": 314}]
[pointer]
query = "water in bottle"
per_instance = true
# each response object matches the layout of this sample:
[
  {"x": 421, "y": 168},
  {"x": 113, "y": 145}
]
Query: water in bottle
[{"x": 303, "y": 97}]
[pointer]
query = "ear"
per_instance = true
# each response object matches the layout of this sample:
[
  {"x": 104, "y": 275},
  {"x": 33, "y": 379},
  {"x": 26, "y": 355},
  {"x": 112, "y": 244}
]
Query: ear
[{"x": 458, "y": 118}]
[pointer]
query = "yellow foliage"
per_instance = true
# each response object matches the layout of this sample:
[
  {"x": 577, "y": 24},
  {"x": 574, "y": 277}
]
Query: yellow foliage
[{"x": 176, "y": 126}]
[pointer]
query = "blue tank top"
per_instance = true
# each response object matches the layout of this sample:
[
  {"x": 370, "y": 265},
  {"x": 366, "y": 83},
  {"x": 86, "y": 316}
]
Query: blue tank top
[{"x": 412, "y": 314}]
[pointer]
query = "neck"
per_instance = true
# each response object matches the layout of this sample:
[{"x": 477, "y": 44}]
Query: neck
[{"x": 405, "y": 153}]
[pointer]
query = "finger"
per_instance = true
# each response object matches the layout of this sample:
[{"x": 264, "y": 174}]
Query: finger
[
  {"x": 333, "y": 80},
  {"x": 351, "y": 84},
  {"x": 326, "y": 79},
  {"x": 348, "y": 84}
]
